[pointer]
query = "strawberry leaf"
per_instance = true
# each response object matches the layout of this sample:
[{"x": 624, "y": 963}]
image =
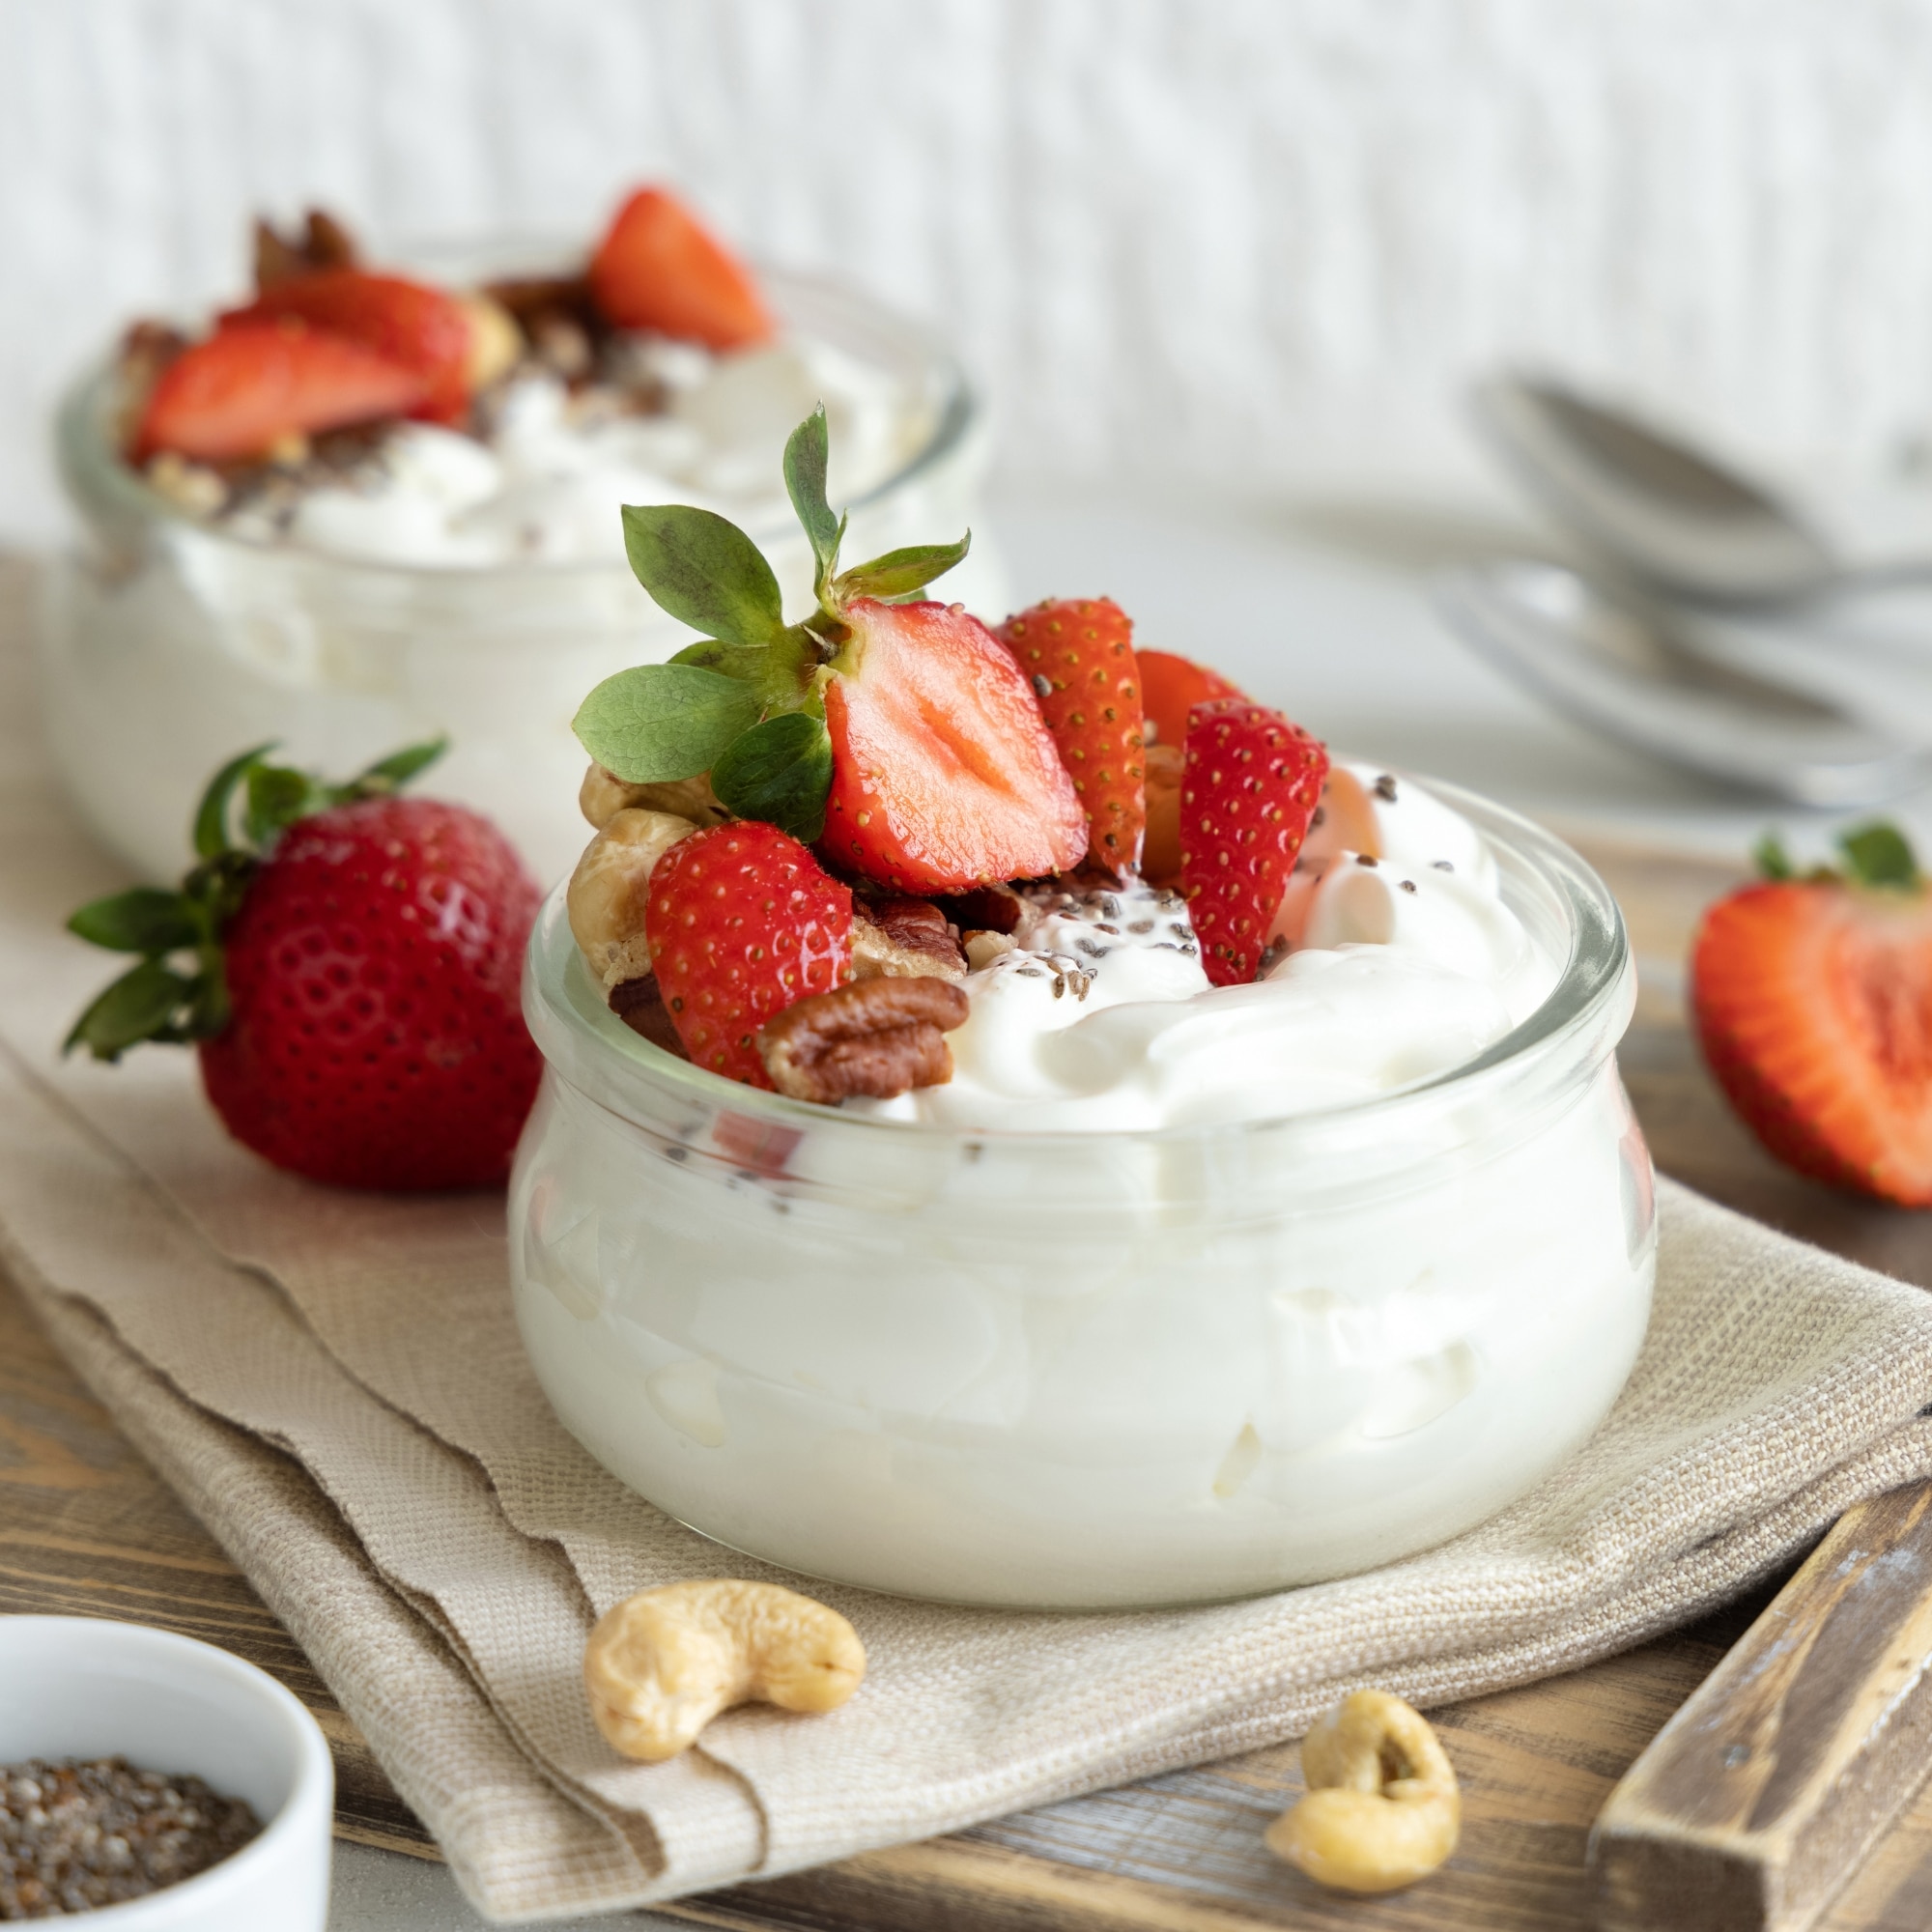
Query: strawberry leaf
[
  {"x": 1879, "y": 855},
  {"x": 275, "y": 797},
  {"x": 141, "y": 1005},
  {"x": 744, "y": 662},
  {"x": 391, "y": 774},
  {"x": 706, "y": 571},
  {"x": 899, "y": 572},
  {"x": 807, "y": 454},
  {"x": 779, "y": 771},
  {"x": 656, "y": 722},
  {"x": 1772, "y": 861},
  {"x": 211, "y": 817},
  {"x": 142, "y": 920}
]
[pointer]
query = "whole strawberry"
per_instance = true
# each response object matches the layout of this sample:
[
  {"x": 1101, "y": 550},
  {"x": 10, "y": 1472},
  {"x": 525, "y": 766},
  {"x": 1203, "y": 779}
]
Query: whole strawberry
[
  {"x": 743, "y": 922},
  {"x": 1813, "y": 1001},
  {"x": 1078, "y": 653},
  {"x": 1250, "y": 787},
  {"x": 353, "y": 994}
]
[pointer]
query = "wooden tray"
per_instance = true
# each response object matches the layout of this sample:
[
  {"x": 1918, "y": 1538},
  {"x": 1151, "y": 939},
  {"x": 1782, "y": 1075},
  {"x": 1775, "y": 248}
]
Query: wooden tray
[{"x": 87, "y": 1528}]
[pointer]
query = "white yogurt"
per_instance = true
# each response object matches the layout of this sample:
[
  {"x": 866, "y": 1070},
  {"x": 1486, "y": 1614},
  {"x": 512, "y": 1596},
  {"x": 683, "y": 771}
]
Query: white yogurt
[
  {"x": 543, "y": 482},
  {"x": 1251, "y": 1348},
  {"x": 1405, "y": 962}
]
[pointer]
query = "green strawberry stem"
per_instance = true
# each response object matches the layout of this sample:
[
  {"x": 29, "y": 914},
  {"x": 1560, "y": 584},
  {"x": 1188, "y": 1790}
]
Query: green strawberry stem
[
  {"x": 746, "y": 703},
  {"x": 179, "y": 991},
  {"x": 1877, "y": 855}
]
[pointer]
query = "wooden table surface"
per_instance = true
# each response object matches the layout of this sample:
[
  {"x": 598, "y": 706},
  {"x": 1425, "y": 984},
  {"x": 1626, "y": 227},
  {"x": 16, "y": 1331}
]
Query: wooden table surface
[{"x": 87, "y": 1528}]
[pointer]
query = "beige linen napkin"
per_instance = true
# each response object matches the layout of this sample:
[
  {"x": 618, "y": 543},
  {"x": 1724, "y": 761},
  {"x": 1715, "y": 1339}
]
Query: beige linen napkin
[{"x": 335, "y": 1384}]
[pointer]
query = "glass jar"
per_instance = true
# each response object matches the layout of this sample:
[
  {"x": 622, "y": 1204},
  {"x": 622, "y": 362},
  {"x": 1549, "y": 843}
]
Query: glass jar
[
  {"x": 1093, "y": 1369},
  {"x": 168, "y": 645}
]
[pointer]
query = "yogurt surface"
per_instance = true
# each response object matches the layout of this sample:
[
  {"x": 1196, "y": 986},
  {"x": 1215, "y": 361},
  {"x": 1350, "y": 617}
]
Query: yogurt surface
[
  {"x": 543, "y": 480},
  {"x": 1396, "y": 962}
]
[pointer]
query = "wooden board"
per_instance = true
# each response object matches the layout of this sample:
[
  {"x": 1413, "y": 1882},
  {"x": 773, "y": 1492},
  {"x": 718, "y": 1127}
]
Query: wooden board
[{"x": 85, "y": 1527}]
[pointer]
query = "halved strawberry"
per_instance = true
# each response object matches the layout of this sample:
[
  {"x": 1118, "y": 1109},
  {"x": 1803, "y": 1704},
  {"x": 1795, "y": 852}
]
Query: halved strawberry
[
  {"x": 743, "y": 922},
  {"x": 944, "y": 775},
  {"x": 1250, "y": 787},
  {"x": 659, "y": 267},
  {"x": 421, "y": 328},
  {"x": 1078, "y": 652},
  {"x": 1171, "y": 687},
  {"x": 240, "y": 392},
  {"x": 1812, "y": 1000}
]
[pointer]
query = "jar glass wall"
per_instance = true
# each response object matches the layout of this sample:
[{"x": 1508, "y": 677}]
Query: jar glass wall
[
  {"x": 1093, "y": 1369},
  {"x": 168, "y": 645}
]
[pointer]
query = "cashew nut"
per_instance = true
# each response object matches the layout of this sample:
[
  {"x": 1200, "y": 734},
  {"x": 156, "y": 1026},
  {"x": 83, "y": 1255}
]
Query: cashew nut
[
  {"x": 661, "y": 1664},
  {"x": 610, "y": 887},
  {"x": 1382, "y": 1808},
  {"x": 495, "y": 342},
  {"x": 602, "y": 796}
]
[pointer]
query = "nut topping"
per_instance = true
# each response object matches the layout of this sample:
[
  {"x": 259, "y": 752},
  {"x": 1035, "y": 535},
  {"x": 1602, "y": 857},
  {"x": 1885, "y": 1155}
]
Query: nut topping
[
  {"x": 903, "y": 939},
  {"x": 878, "y": 1038},
  {"x": 601, "y": 797}
]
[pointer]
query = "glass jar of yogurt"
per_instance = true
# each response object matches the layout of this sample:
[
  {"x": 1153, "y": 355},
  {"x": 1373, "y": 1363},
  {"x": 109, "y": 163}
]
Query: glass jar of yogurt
[
  {"x": 445, "y": 602},
  {"x": 1273, "y": 1341}
]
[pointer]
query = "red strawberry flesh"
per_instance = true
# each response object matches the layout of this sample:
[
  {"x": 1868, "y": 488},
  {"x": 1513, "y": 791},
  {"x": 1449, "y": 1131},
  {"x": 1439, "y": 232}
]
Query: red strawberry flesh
[
  {"x": 1250, "y": 787},
  {"x": 1171, "y": 687},
  {"x": 659, "y": 267},
  {"x": 420, "y": 328},
  {"x": 944, "y": 773},
  {"x": 743, "y": 922},
  {"x": 1078, "y": 654},
  {"x": 1813, "y": 1004},
  {"x": 240, "y": 392},
  {"x": 376, "y": 1037}
]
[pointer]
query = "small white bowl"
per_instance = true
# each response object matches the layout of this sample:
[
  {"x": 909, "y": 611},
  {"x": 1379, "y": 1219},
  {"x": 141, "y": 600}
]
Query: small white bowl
[{"x": 86, "y": 1688}]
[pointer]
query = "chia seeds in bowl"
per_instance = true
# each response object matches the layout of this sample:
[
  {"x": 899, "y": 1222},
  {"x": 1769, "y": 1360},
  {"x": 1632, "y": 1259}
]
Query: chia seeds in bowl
[{"x": 75, "y": 1835}]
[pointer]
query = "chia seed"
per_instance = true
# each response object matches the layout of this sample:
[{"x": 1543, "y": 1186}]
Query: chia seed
[
  {"x": 1366, "y": 859},
  {"x": 1441, "y": 864},
  {"x": 75, "y": 1835},
  {"x": 1408, "y": 885},
  {"x": 1384, "y": 788}
]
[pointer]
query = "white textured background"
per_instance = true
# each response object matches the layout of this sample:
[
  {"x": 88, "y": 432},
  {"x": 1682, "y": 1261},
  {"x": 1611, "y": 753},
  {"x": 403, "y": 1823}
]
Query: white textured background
[{"x": 1247, "y": 241}]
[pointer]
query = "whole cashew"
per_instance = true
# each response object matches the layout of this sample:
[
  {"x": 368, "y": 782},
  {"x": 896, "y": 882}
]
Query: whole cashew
[
  {"x": 607, "y": 892},
  {"x": 660, "y": 1666},
  {"x": 1382, "y": 1808},
  {"x": 600, "y": 797}
]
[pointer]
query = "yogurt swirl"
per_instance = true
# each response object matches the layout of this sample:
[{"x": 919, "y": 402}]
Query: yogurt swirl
[{"x": 1397, "y": 959}]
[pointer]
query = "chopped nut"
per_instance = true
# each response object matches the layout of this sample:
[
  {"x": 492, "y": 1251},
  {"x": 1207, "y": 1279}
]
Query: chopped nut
[
  {"x": 985, "y": 909},
  {"x": 602, "y": 796},
  {"x": 495, "y": 342},
  {"x": 983, "y": 948},
  {"x": 660, "y": 1666},
  {"x": 323, "y": 243},
  {"x": 192, "y": 488},
  {"x": 639, "y": 1005},
  {"x": 903, "y": 939},
  {"x": 610, "y": 889},
  {"x": 1382, "y": 1808},
  {"x": 878, "y": 1038}
]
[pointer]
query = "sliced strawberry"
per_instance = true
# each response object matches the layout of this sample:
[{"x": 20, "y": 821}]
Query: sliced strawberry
[
  {"x": 944, "y": 775},
  {"x": 659, "y": 267},
  {"x": 1249, "y": 789},
  {"x": 1813, "y": 1004},
  {"x": 1171, "y": 687},
  {"x": 423, "y": 328},
  {"x": 742, "y": 923},
  {"x": 240, "y": 392},
  {"x": 1078, "y": 654}
]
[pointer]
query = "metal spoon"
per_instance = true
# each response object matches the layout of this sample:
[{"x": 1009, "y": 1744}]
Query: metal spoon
[
  {"x": 1620, "y": 665},
  {"x": 1675, "y": 516}
]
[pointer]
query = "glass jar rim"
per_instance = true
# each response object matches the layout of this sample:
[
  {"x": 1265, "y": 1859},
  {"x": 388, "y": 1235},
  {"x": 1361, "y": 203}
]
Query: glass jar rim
[
  {"x": 86, "y": 452},
  {"x": 1577, "y": 1025}
]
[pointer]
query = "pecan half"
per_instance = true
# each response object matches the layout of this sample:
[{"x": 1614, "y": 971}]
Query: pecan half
[
  {"x": 639, "y": 1005},
  {"x": 903, "y": 939},
  {"x": 877, "y": 1038},
  {"x": 323, "y": 243}
]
